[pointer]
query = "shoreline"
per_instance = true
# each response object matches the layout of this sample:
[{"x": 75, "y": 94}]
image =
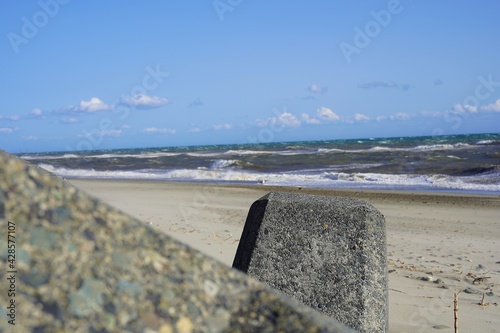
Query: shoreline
[
  {"x": 437, "y": 243},
  {"x": 399, "y": 190}
]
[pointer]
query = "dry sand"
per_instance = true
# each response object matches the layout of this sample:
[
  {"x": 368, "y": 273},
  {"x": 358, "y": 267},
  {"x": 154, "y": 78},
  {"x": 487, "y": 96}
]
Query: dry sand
[{"x": 438, "y": 244}]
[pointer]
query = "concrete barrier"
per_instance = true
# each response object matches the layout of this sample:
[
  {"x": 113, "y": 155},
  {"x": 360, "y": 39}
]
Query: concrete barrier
[
  {"x": 71, "y": 263},
  {"x": 327, "y": 252}
]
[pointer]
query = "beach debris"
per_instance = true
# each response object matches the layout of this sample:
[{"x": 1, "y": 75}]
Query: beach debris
[
  {"x": 455, "y": 311},
  {"x": 478, "y": 280},
  {"x": 480, "y": 267},
  {"x": 440, "y": 327},
  {"x": 482, "y": 302},
  {"x": 221, "y": 238},
  {"x": 399, "y": 291},
  {"x": 147, "y": 221},
  {"x": 399, "y": 264},
  {"x": 427, "y": 278},
  {"x": 470, "y": 291}
]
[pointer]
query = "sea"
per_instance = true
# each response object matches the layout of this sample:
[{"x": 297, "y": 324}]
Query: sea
[{"x": 451, "y": 163}]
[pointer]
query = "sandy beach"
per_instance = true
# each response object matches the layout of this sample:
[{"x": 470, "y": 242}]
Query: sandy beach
[{"x": 438, "y": 244}]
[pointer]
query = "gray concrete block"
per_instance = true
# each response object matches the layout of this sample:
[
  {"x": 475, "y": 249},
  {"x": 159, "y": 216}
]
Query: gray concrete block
[
  {"x": 79, "y": 265},
  {"x": 327, "y": 252}
]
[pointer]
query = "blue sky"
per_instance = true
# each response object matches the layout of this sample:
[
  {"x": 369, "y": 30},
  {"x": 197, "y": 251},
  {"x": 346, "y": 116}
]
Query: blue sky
[{"x": 122, "y": 74}]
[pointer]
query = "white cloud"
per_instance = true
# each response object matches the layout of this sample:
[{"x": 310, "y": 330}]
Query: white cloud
[
  {"x": 7, "y": 130},
  {"x": 160, "y": 130},
  {"x": 314, "y": 88},
  {"x": 285, "y": 119},
  {"x": 92, "y": 105},
  {"x": 69, "y": 120},
  {"x": 327, "y": 114},
  {"x": 382, "y": 84},
  {"x": 194, "y": 130},
  {"x": 111, "y": 133},
  {"x": 309, "y": 120},
  {"x": 36, "y": 112},
  {"x": 13, "y": 118},
  {"x": 361, "y": 117},
  {"x": 495, "y": 107},
  {"x": 141, "y": 101},
  {"x": 37, "y": 138},
  {"x": 400, "y": 116},
  {"x": 460, "y": 109},
  {"x": 397, "y": 116},
  {"x": 288, "y": 120},
  {"x": 431, "y": 114},
  {"x": 222, "y": 126}
]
